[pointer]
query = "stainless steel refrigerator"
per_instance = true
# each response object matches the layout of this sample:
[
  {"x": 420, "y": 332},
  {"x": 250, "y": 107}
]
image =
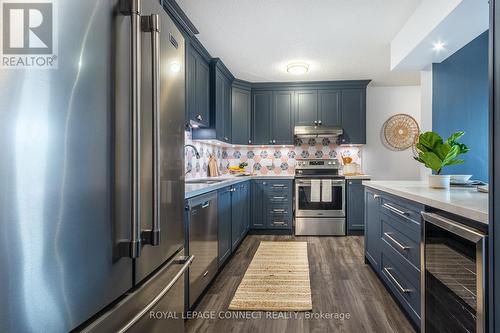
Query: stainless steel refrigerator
[{"x": 91, "y": 175}]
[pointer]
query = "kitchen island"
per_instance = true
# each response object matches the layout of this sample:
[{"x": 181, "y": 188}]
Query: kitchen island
[
  {"x": 462, "y": 201},
  {"x": 406, "y": 219}
]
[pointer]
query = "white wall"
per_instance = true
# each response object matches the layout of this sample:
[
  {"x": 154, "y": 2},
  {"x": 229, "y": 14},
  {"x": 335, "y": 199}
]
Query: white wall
[{"x": 378, "y": 161}]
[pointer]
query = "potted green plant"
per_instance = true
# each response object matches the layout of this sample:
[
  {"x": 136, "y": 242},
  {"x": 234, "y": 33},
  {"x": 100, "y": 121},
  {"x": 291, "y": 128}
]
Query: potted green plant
[{"x": 435, "y": 154}]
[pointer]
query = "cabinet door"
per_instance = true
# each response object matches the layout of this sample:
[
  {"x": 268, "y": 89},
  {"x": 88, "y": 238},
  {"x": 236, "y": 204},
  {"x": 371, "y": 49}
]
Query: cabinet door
[
  {"x": 282, "y": 117},
  {"x": 241, "y": 116},
  {"x": 202, "y": 91},
  {"x": 226, "y": 109},
  {"x": 191, "y": 85},
  {"x": 329, "y": 108},
  {"x": 219, "y": 107},
  {"x": 261, "y": 117},
  {"x": 258, "y": 203},
  {"x": 354, "y": 116},
  {"x": 245, "y": 209},
  {"x": 236, "y": 215},
  {"x": 307, "y": 108},
  {"x": 372, "y": 229},
  {"x": 224, "y": 224},
  {"x": 355, "y": 205}
]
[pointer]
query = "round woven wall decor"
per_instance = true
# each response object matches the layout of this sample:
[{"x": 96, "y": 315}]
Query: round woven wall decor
[{"x": 400, "y": 132}]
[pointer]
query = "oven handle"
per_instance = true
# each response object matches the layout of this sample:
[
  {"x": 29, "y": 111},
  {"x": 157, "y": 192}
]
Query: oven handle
[{"x": 453, "y": 227}]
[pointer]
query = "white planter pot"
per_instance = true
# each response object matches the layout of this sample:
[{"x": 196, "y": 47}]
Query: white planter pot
[{"x": 439, "y": 181}]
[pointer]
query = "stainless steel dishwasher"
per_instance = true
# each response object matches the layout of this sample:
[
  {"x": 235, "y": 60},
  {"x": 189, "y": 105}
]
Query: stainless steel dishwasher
[{"x": 202, "y": 231}]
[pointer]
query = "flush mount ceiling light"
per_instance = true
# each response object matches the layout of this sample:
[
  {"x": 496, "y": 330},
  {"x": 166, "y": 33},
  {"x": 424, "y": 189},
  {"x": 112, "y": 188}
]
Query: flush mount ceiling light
[
  {"x": 297, "y": 68},
  {"x": 438, "y": 46}
]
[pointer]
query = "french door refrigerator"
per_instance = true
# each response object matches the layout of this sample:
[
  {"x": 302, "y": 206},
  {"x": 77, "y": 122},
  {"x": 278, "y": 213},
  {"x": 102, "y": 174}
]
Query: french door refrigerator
[{"x": 91, "y": 174}]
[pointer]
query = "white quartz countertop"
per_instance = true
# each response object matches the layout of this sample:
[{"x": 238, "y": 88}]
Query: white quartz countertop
[
  {"x": 462, "y": 201},
  {"x": 358, "y": 177},
  {"x": 193, "y": 190}
]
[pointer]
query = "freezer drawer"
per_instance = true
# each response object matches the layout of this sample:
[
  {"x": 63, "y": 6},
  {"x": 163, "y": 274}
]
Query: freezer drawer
[
  {"x": 155, "y": 306},
  {"x": 203, "y": 243}
]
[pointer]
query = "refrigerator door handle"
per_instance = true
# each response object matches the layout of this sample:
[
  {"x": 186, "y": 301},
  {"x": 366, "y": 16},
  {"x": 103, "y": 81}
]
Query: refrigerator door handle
[
  {"x": 132, "y": 8},
  {"x": 151, "y": 24},
  {"x": 185, "y": 262}
]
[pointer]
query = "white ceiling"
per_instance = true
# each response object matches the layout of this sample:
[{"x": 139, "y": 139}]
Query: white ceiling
[{"x": 339, "y": 39}]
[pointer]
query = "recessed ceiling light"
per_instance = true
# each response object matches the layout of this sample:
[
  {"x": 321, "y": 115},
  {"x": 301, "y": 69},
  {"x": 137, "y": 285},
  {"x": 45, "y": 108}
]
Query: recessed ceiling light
[
  {"x": 297, "y": 68},
  {"x": 438, "y": 46}
]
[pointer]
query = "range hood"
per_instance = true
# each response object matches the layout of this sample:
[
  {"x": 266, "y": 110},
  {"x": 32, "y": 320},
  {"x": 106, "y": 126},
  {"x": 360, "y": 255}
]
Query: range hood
[{"x": 317, "y": 131}]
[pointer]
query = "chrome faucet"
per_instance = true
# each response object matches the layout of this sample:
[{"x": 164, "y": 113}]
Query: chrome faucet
[{"x": 196, "y": 153}]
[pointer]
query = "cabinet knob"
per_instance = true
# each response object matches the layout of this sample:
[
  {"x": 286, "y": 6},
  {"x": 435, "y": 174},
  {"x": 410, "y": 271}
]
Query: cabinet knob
[
  {"x": 249, "y": 141},
  {"x": 226, "y": 138},
  {"x": 320, "y": 122},
  {"x": 274, "y": 141},
  {"x": 350, "y": 183},
  {"x": 315, "y": 122},
  {"x": 264, "y": 183},
  {"x": 199, "y": 117}
]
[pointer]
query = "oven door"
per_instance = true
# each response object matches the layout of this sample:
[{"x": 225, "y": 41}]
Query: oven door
[
  {"x": 305, "y": 207},
  {"x": 452, "y": 276}
]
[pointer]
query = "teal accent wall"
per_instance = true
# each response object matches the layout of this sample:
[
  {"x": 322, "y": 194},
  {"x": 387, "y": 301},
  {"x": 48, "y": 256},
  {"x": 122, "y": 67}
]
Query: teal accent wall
[{"x": 460, "y": 103}]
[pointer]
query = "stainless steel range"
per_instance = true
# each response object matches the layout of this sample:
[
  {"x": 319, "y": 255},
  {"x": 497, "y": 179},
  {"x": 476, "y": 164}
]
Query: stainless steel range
[{"x": 319, "y": 198}]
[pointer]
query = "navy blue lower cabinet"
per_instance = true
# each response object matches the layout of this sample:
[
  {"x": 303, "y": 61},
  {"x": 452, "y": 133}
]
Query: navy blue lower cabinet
[
  {"x": 244, "y": 189},
  {"x": 224, "y": 224},
  {"x": 355, "y": 206},
  {"x": 372, "y": 228},
  {"x": 392, "y": 246},
  {"x": 272, "y": 207},
  {"x": 258, "y": 204}
]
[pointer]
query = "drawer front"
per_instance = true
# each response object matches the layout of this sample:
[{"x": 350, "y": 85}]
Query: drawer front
[
  {"x": 280, "y": 221},
  {"x": 280, "y": 185},
  {"x": 279, "y": 209},
  {"x": 407, "y": 226},
  {"x": 402, "y": 209},
  {"x": 405, "y": 242},
  {"x": 278, "y": 197},
  {"x": 402, "y": 279}
]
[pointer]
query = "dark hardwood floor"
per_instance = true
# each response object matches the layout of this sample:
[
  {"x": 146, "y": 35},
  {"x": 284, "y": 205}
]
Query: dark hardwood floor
[{"x": 340, "y": 282}]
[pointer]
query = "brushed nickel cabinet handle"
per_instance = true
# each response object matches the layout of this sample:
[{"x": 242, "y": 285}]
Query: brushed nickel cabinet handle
[
  {"x": 395, "y": 210},
  {"x": 399, "y": 285},
  {"x": 395, "y": 241}
]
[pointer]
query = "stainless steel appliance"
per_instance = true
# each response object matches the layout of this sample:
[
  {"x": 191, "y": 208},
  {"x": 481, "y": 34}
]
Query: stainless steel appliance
[
  {"x": 453, "y": 276},
  {"x": 323, "y": 214},
  {"x": 92, "y": 174},
  {"x": 318, "y": 131},
  {"x": 202, "y": 230}
]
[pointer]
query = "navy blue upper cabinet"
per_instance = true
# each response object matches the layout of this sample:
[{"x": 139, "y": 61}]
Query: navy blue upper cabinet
[
  {"x": 282, "y": 121},
  {"x": 307, "y": 108},
  {"x": 261, "y": 117},
  {"x": 329, "y": 113},
  {"x": 241, "y": 113},
  {"x": 354, "y": 116},
  {"x": 197, "y": 86},
  {"x": 221, "y": 91}
]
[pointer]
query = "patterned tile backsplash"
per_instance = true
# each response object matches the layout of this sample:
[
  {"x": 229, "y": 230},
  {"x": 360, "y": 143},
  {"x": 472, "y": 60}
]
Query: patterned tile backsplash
[{"x": 264, "y": 160}]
